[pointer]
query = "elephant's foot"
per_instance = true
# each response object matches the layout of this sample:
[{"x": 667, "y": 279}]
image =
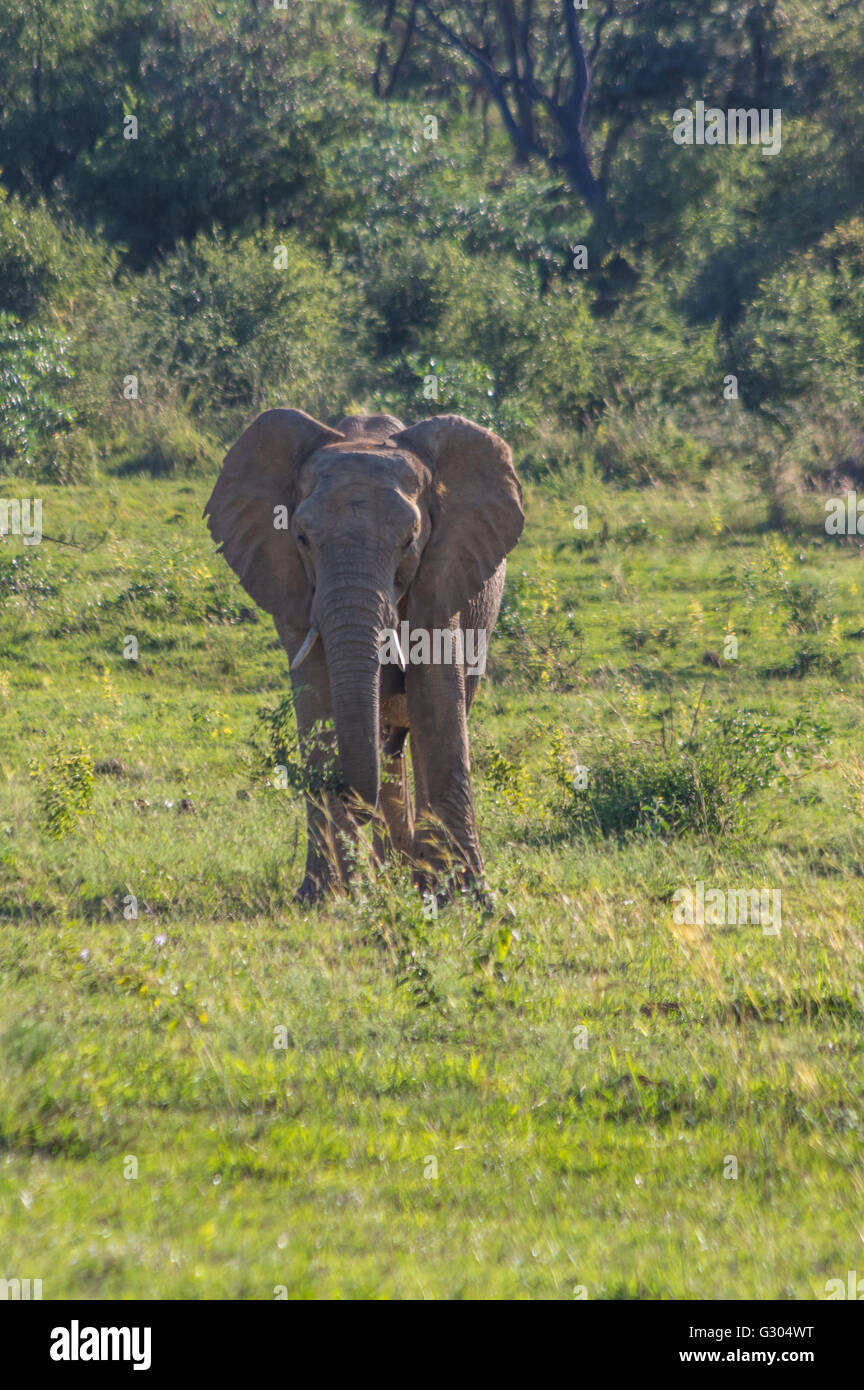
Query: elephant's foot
[
  {"x": 433, "y": 897},
  {"x": 447, "y": 867},
  {"x": 310, "y": 892},
  {"x": 462, "y": 885},
  {"x": 316, "y": 886}
]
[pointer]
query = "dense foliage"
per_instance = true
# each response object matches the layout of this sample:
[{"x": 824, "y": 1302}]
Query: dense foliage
[{"x": 208, "y": 210}]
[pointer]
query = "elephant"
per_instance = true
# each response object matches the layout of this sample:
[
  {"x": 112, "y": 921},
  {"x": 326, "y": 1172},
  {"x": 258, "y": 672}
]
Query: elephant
[{"x": 350, "y": 535}]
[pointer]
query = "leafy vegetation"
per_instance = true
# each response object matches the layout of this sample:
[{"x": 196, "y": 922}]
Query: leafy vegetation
[
  {"x": 237, "y": 212},
  {"x": 65, "y": 788}
]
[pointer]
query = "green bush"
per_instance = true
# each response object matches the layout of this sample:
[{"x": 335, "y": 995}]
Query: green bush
[
  {"x": 64, "y": 788},
  {"x": 31, "y": 259},
  {"x": 22, "y": 573},
  {"x": 463, "y": 388},
  {"x": 649, "y": 442},
  {"x": 802, "y": 334},
  {"x": 234, "y": 332},
  {"x": 276, "y": 744},
  {"x": 33, "y": 369},
  {"x": 163, "y": 443},
  {"x": 698, "y": 784},
  {"x": 407, "y": 285}
]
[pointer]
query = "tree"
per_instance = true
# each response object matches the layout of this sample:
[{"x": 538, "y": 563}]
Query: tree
[{"x": 568, "y": 88}]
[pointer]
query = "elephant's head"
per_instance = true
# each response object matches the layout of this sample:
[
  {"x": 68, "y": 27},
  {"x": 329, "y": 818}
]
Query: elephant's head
[{"x": 330, "y": 529}]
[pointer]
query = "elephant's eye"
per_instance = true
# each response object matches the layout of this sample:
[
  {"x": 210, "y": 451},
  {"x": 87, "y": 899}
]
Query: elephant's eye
[
  {"x": 302, "y": 539},
  {"x": 407, "y": 544}
]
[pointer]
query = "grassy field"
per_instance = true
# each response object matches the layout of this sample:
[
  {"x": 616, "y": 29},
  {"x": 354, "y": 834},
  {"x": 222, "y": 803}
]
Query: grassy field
[{"x": 228, "y": 1096}]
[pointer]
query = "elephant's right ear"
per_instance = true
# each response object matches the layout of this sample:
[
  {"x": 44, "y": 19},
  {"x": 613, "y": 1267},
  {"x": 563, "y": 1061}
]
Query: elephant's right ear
[{"x": 257, "y": 477}]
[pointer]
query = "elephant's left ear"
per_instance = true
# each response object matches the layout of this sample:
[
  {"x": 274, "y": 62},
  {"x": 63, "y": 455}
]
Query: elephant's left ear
[{"x": 477, "y": 514}]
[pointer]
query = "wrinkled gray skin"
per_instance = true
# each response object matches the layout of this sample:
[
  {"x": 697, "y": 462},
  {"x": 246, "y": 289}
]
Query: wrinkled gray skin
[{"x": 375, "y": 523}]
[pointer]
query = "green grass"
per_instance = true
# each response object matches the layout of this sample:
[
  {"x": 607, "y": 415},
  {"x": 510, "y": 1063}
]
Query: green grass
[{"x": 412, "y": 1044}]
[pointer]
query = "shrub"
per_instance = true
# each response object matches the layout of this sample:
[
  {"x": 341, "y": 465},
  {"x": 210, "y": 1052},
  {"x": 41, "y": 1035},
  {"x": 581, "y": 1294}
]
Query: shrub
[
  {"x": 60, "y": 296},
  {"x": 402, "y": 924},
  {"x": 234, "y": 333},
  {"x": 33, "y": 367},
  {"x": 648, "y": 443},
  {"x": 276, "y": 744},
  {"x": 30, "y": 258},
  {"x": 64, "y": 788},
  {"x": 22, "y": 574},
  {"x": 504, "y": 780},
  {"x": 164, "y": 443},
  {"x": 407, "y": 286},
  {"x": 464, "y": 388},
  {"x": 802, "y": 334},
  {"x": 699, "y": 784}
]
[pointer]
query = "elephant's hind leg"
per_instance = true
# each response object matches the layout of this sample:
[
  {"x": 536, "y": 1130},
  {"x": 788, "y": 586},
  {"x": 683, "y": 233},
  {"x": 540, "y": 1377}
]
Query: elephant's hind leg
[{"x": 395, "y": 803}]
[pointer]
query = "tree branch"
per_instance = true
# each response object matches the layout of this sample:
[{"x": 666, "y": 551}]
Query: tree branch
[
  {"x": 608, "y": 13},
  {"x": 520, "y": 140},
  {"x": 581, "y": 71},
  {"x": 396, "y": 68}
]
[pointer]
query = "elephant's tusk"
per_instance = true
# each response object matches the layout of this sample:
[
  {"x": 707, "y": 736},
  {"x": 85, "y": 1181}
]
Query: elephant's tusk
[
  {"x": 311, "y": 638},
  {"x": 399, "y": 652}
]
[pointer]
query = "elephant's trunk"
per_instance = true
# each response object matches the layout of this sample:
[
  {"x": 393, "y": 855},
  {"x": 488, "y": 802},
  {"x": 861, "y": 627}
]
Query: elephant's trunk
[{"x": 349, "y": 618}]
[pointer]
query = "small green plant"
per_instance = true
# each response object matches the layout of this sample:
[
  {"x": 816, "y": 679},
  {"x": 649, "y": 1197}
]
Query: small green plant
[
  {"x": 19, "y": 574},
  {"x": 155, "y": 594},
  {"x": 404, "y": 925},
  {"x": 509, "y": 781},
  {"x": 64, "y": 788},
  {"x": 276, "y": 744}
]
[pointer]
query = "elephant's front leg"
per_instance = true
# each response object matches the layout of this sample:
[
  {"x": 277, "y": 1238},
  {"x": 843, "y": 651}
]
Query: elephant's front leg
[
  {"x": 330, "y": 830},
  {"x": 446, "y": 835}
]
